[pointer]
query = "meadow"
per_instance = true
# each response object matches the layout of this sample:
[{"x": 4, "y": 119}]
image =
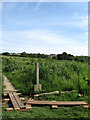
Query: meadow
[{"x": 55, "y": 75}]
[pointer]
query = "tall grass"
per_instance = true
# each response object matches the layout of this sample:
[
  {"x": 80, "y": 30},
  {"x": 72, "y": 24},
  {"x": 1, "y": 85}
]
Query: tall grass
[{"x": 54, "y": 74}]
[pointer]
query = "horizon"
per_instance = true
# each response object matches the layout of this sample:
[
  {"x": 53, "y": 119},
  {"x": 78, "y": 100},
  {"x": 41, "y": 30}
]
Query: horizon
[
  {"x": 42, "y": 53},
  {"x": 45, "y": 28}
]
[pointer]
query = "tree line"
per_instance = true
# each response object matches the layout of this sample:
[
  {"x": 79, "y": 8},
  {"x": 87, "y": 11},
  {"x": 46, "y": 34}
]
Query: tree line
[{"x": 63, "y": 56}]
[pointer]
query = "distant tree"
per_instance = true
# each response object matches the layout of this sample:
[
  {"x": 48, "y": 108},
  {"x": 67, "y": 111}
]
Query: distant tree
[
  {"x": 64, "y": 53},
  {"x": 39, "y": 55},
  {"x": 70, "y": 57},
  {"x": 65, "y": 56},
  {"x": 55, "y": 57},
  {"x": 24, "y": 54},
  {"x": 6, "y": 53},
  {"x": 81, "y": 58},
  {"x": 62, "y": 56}
]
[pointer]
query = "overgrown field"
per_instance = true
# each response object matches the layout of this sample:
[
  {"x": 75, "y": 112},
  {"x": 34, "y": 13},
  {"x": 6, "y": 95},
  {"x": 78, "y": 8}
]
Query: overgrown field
[{"x": 54, "y": 74}]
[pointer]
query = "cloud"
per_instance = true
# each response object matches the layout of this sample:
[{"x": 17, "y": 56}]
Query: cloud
[
  {"x": 56, "y": 50},
  {"x": 85, "y": 19},
  {"x": 35, "y": 36},
  {"x": 46, "y": 42},
  {"x": 79, "y": 22}
]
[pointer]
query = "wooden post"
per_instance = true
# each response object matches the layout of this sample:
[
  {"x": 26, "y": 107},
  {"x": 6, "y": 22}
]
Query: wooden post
[
  {"x": 37, "y": 74},
  {"x": 37, "y": 87}
]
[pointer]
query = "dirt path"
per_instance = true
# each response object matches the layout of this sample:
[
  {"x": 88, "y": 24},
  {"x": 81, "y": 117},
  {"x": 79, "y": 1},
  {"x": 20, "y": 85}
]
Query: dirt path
[{"x": 8, "y": 86}]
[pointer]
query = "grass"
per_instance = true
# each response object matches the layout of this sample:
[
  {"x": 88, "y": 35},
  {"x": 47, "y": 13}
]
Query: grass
[
  {"x": 72, "y": 96},
  {"x": 55, "y": 75},
  {"x": 46, "y": 112}
]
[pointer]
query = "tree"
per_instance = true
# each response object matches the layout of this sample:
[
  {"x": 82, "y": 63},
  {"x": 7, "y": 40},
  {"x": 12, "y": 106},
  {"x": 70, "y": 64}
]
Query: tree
[
  {"x": 62, "y": 56},
  {"x": 23, "y": 54},
  {"x": 6, "y": 53}
]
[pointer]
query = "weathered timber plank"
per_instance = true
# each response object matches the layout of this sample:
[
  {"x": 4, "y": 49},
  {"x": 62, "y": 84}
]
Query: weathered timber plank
[
  {"x": 18, "y": 93},
  {"x": 86, "y": 106},
  {"x": 21, "y": 105},
  {"x": 10, "y": 90},
  {"x": 5, "y": 94},
  {"x": 6, "y": 100},
  {"x": 22, "y": 98},
  {"x": 28, "y": 107},
  {"x": 57, "y": 102},
  {"x": 9, "y": 109},
  {"x": 15, "y": 105},
  {"x": 55, "y": 92},
  {"x": 54, "y": 106}
]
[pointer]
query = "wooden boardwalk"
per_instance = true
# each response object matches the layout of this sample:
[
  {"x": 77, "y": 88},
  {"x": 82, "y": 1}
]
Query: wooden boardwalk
[
  {"x": 8, "y": 86},
  {"x": 16, "y": 102},
  {"x": 57, "y": 103},
  {"x": 13, "y": 97}
]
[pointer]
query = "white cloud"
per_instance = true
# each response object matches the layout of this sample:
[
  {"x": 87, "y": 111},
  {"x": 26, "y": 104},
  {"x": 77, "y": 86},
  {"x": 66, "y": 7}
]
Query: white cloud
[
  {"x": 44, "y": 37},
  {"x": 56, "y": 50},
  {"x": 85, "y": 19},
  {"x": 49, "y": 37},
  {"x": 76, "y": 21},
  {"x": 86, "y": 33},
  {"x": 46, "y": 42}
]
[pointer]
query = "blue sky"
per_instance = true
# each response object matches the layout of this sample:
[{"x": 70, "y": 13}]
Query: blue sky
[{"x": 45, "y": 27}]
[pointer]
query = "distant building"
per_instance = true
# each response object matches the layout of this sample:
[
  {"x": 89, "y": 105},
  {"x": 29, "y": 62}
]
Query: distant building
[
  {"x": 11, "y": 53},
  {"x": 15, "y": 53},
  {"x": 52, "y": 55}
]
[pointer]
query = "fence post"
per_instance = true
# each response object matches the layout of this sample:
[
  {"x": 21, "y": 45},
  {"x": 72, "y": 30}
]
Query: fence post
[{"x": 38, "y": 86}]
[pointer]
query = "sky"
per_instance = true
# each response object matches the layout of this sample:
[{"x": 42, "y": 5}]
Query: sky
[{"x": 45, "y": 27}]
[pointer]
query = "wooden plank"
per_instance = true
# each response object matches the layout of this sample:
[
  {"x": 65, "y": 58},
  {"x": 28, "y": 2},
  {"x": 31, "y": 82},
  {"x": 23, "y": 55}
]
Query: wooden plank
[
  {"x": 8, "y": 90},
  {"x": 28, "y": 107},
  {"x": 55, "y": 92},
  {"x": 5, "y": 94},
  {"x": 6, "y": 100},
  {"x": 54, "y": 106},
  {"x": 21, "y": 105},
  {"x": 86, "y": 106},
  {"x": 22, "y": 98},
  {"x": 15, "y": 105},
  {"x": 57, "y": 102},
  {"x": 18, "y": 93},
  {"x": 9, "y": 109}
]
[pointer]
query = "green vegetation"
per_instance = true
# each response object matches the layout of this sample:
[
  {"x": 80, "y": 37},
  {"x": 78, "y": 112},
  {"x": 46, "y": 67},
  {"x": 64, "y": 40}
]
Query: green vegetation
[
  {"x": 55, "y": 75},
  {"x": 72, "y": 96},
  {"x": 63, "y": 56},
  {"x": 45, "y": 112}
]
